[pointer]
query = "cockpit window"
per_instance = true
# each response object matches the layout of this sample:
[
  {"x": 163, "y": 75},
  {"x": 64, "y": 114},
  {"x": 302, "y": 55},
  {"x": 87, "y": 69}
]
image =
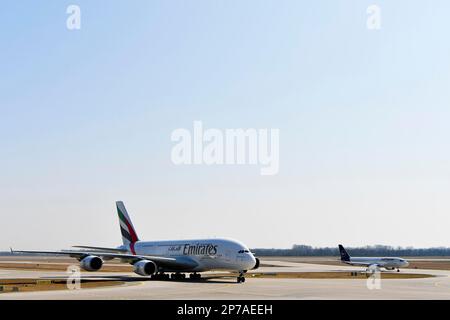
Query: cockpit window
[{"x": 243, "y": 251}]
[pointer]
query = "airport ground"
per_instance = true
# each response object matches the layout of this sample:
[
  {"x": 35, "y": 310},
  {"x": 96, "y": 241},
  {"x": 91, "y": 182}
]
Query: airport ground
[{"x": 278, "y": 278}]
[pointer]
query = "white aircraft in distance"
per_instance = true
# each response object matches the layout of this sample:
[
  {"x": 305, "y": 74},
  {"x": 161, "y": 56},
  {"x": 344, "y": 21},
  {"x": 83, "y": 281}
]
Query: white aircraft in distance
[
  {"x": 155, "y": 258},
  {"x": 389, "y": 263}
]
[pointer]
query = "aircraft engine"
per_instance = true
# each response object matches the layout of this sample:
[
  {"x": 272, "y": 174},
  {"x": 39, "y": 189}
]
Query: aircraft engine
[
  {"x": 91, "y": 263},
  {"x": 145, "y": 268},
  {"x": 256, "y": 264}
]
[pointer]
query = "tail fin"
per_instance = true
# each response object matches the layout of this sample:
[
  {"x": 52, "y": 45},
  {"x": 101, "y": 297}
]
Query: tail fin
[
  {"x": 129, "y": 235},
  {"x": 344, "y": 255}
]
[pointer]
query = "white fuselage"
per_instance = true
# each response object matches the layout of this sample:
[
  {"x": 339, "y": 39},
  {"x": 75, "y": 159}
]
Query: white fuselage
[
  {"x": 385, "y": 262},
  {"x": 208, "y": 254}
]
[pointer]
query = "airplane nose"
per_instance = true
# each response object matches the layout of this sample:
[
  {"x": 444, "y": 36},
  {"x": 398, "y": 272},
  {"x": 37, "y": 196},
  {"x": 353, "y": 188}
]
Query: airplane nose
[{"x": 252, "y": 262}]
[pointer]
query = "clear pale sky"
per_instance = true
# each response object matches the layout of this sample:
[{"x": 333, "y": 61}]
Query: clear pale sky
[{"x": 86, "y": 119}]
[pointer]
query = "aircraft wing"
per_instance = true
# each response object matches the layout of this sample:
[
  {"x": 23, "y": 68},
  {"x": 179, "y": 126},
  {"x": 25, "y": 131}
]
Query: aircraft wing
[
  {"x": 101, "y": 248},
  {"x": 173, "y": 263},
  {"x": 364, "y": 264}
]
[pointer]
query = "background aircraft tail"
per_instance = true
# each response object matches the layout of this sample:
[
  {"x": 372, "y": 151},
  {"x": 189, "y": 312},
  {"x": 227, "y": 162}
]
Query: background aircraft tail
[
  {"x": 129, "y": 235},
  {"x": 344, "y": 255}
]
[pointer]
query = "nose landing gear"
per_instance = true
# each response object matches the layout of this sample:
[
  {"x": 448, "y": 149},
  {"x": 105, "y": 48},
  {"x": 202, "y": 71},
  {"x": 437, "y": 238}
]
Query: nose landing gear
[{"x": 241, "y": 277}]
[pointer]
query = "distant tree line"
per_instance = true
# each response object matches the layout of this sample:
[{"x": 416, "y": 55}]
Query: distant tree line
[
  {"x": 377, "y": 250},
  {"x": 300, "y": 250}
]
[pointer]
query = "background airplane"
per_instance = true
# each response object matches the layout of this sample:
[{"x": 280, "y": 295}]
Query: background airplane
[
  {"x": 389, "y": 263},
  {"x": 158, "y": 258}
]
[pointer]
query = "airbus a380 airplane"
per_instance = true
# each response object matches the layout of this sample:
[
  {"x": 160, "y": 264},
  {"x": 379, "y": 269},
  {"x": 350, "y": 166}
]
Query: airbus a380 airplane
[
  {"x": 389, "y": 263},
  {"x": 156, "y": 258}
]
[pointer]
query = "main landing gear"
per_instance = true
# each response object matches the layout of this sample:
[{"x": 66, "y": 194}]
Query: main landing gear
[
  {"x": 182, "y": 276},
  {"x": 195, "y": 276},
  {"x": 177, "y": 276},
  {"x": 241, "y": 277},
  {"x": 160, "y": 276}
]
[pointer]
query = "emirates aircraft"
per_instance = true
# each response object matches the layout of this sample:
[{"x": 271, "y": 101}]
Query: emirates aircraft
[{"x": 159, "y": 258}]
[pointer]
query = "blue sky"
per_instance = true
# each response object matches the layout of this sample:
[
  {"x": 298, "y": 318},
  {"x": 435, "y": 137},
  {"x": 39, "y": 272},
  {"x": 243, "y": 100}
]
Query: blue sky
[{"x": 86, "y": 118}]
